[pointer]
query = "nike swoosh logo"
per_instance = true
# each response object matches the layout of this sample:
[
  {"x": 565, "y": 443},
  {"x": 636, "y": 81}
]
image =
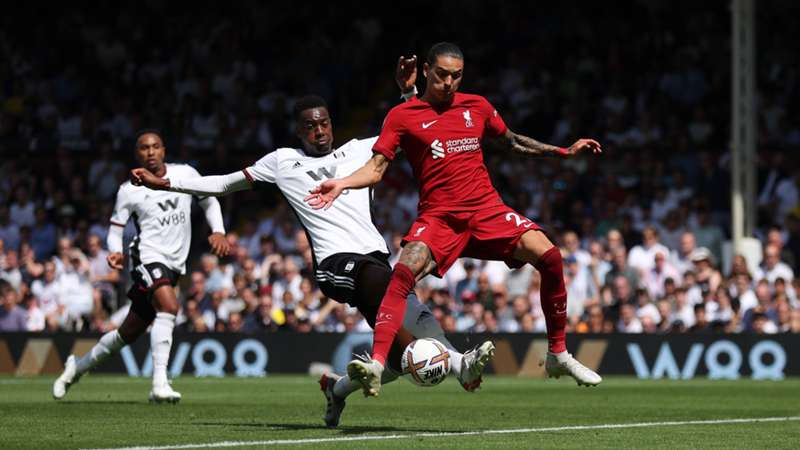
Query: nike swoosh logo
[{"x": 426, "y": 125}]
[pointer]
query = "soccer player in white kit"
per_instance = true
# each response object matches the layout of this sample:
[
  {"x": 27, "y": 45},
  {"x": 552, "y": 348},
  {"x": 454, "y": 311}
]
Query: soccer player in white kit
[
  {"x": 158, "y": 257},
  {"x": 349, "y": 253}
]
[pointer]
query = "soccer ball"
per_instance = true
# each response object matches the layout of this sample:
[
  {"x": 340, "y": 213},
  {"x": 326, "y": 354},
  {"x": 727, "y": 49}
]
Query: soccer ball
[{"x": 427, "y": 361}]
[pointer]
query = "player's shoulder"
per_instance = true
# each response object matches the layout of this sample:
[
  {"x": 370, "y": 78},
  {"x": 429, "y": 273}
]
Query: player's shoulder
[
  {"x": 125, "y": 187},
  {"x": 283, "y": 153},
  {"x": 181, "y": 169},
  {"x": 406, "y": 107},
  {"x": 128, "y": 192},
  {"x": 365, "y": 144},
  {"x": 465, "y": 98}
]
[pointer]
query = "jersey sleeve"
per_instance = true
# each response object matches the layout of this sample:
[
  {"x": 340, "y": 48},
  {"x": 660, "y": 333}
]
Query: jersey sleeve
[
  {"x": 264, "y": 169},
  {"x": 495, "y": 126},
  {"x": 191, "y": 172},
  {"x": 122, "y": 208},
  {"x": 389, "y": 139}
]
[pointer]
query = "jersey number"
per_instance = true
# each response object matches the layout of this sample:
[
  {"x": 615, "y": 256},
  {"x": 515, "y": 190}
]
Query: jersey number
[{"x": 520, "y": 221}]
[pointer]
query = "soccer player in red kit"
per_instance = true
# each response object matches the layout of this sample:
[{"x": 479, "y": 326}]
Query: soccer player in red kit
[{"x": 460, "y": 212}]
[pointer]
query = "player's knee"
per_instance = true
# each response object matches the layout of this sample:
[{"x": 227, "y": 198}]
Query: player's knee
[{"x": 532, "y": 246}]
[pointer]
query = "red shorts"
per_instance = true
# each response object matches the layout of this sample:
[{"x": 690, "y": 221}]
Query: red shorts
[{"x": 488, "y": 234}]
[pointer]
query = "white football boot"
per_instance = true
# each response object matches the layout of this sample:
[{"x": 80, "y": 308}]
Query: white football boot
[
  {"x": 367, "y": 372},
  {"x": 163, "y": 393},
  {"x": 564, "y": 364},
  {"x": 336, "y": 404},
  {"x": 472, "y": 365},
  {"x": 67, "y": 379}
]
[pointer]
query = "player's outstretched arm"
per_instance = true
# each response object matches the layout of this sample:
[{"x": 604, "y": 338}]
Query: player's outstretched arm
[
  {"x": 529, "y": 146},
  {"x": 370, "y": 173},
  {"x": 214, "y": 185}
]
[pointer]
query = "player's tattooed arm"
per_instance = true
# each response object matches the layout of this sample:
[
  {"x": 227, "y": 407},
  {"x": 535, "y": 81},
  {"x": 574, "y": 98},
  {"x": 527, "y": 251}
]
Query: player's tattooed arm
[
  {"x": 417, "y": 257},
  {"x": 370, "y": 173},
  {"x": 525, "y": 145}
]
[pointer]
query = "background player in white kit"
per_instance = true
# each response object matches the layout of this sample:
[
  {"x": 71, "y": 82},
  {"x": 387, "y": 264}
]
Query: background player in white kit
[
  {"x": 158, "y": 256},
  {"x": 349, "y": 252}
]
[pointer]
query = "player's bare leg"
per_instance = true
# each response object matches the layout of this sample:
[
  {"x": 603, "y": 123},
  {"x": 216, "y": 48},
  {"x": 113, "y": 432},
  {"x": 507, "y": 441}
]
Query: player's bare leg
[
  {"x": 535, "y": 248},
  {"x": 132, "y": 327},
  {"x": 415, "y": 262},
  {"x": 166, "y": 305}
]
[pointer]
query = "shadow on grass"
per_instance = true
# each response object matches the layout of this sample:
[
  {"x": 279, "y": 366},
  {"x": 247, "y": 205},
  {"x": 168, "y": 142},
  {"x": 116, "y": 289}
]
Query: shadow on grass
[
  {"x": 99, "y": 402},
  {"x": 361, "y": 429}
]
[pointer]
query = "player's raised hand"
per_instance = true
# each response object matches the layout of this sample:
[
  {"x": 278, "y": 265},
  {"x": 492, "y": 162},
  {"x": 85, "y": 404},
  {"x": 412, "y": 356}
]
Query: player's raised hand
[
  {"x": 323, "y": 195},
  {"x": 143, "y": 177},
  {"x": 406, "y": 73},
  {"x": 115, "y": 260},
  {"x": 583, "y": 145},
  {"x": 219, "y": 244}
]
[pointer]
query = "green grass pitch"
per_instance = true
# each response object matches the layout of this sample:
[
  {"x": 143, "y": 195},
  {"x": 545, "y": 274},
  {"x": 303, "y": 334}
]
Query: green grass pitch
[{"x": 278, "y": 411}]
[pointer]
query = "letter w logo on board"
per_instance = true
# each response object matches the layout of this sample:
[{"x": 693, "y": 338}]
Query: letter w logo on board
[
  {"x": 322, "y": 172},
  {"x": 169, "y": 203}
]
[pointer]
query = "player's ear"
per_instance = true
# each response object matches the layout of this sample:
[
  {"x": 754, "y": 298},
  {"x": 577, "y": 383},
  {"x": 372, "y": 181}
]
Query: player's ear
[{"x": 425, "y": 68}]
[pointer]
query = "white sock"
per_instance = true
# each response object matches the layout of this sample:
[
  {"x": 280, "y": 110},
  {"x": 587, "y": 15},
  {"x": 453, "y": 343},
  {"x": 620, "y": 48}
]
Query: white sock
[
  {"x": 108, "y": 344},
  {"x": 160, "y": 345},
  {"x": 456, "y": 359},
  {"x": 345, "y": 386}
]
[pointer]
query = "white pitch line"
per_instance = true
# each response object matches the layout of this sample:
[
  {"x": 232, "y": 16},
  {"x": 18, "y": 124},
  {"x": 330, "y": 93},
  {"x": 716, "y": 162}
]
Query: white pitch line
[{"x": 387, "y": 437}]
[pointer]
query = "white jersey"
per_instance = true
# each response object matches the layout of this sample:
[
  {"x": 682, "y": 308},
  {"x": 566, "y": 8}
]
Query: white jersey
[
  {"x": 347, "y": 226},
  {"x": 162, "y": 220}
]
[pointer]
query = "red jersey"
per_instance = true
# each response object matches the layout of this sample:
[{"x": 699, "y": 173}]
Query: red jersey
[{"x": 444, "y": 149}]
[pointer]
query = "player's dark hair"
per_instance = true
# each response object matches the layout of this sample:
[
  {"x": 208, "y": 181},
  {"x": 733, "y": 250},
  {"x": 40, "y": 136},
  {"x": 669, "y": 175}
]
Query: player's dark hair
[
  {"x": 307, "y": 102},
  {"x": 144, "y": 131},
  {"x": 444, "y": 49}
]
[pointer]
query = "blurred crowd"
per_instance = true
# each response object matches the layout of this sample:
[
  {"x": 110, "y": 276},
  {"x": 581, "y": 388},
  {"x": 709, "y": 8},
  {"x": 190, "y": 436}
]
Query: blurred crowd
[{"x": 642, "y": 229}]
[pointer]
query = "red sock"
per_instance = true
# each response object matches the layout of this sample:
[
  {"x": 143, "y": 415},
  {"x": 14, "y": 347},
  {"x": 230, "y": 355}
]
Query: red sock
[
  {"x": 554, "y": 298},
  {"x": 391, "y": 311}
]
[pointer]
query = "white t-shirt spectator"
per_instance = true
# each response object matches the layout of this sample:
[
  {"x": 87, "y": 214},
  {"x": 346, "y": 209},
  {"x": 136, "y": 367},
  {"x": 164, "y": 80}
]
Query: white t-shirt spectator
[
  {"x": 47, "y": 294},
  {"x": 654, "y": 280},
  {"x": 13, "y": 276},
  {"x": 644, "y": 258},
  {"x": 497, "y": 271},
  {"x": 747, "y": 301},
  {"x": 685, "y": 315},
  {"x": 649, "y": 310},
  {"x": 780, "y": 270},
  {"x": 633, "y": 326},
  {"x": 36, "y": 319},
  {"x": 75, "y": 293}
]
